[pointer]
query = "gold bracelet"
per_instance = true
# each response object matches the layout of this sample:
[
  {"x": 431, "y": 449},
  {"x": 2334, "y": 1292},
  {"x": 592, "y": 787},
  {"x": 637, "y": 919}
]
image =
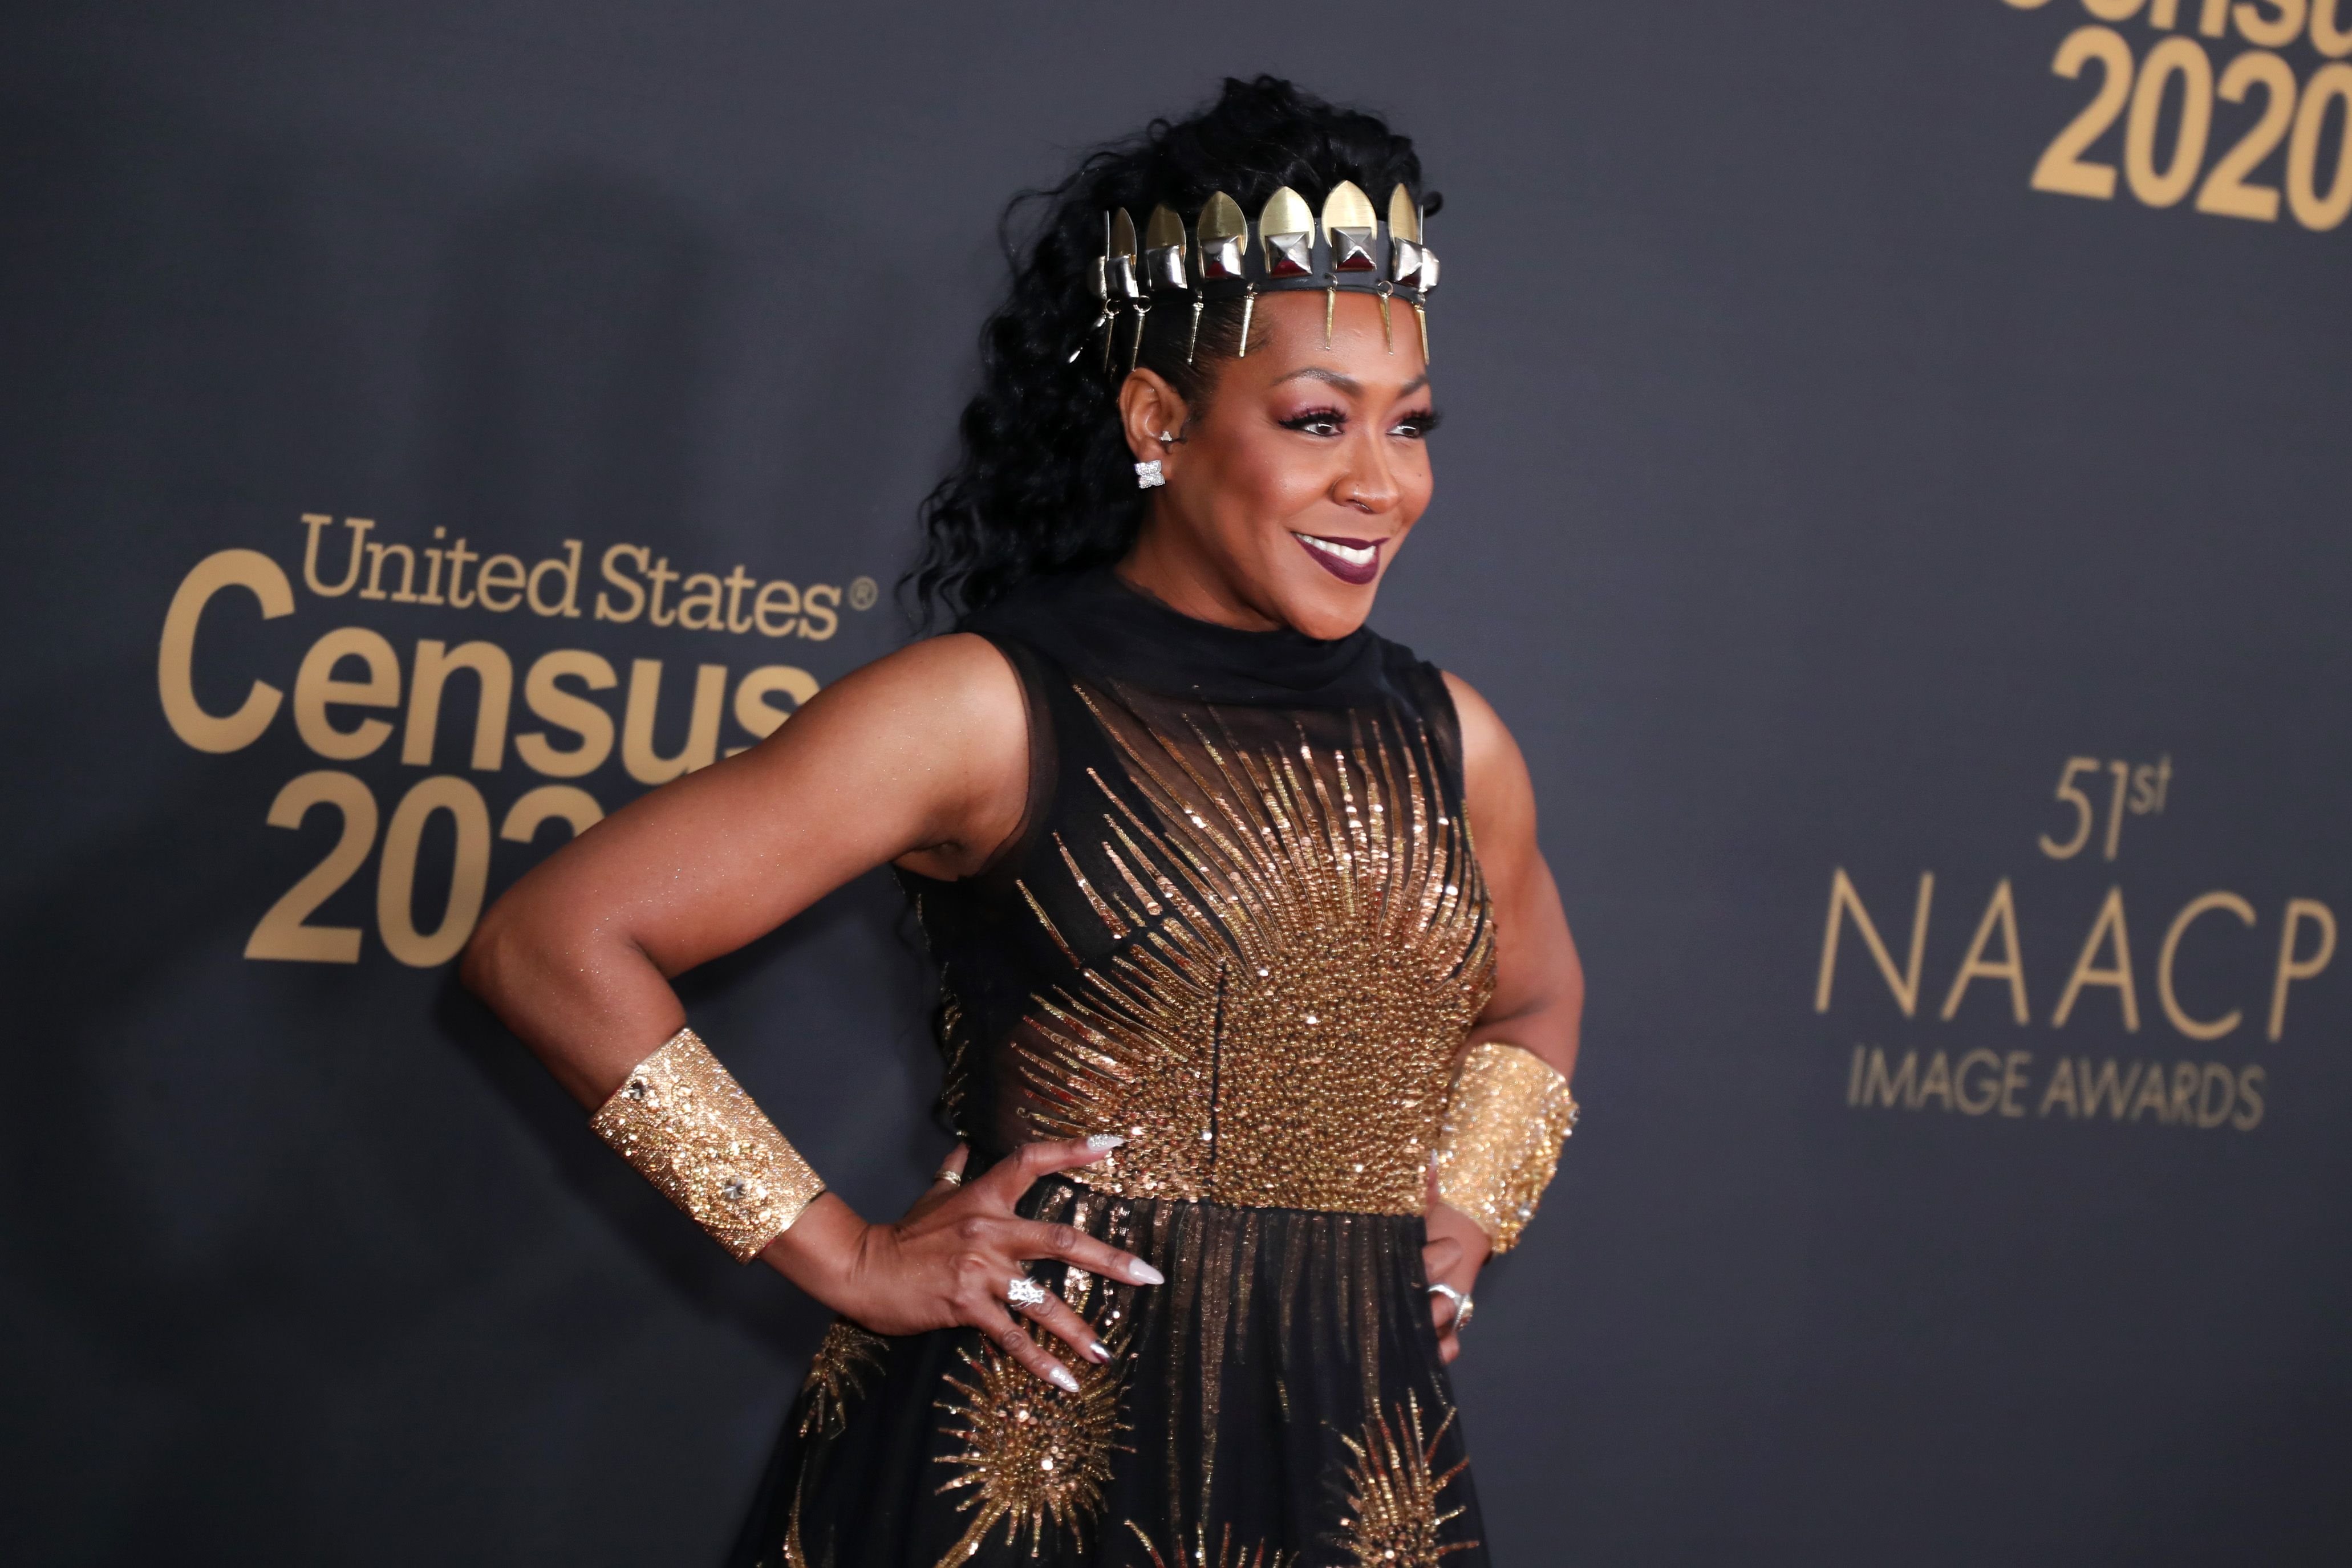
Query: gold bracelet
[
  {"x": 688, "y": 1127},
  {"x": 1504, "y": 1124}
]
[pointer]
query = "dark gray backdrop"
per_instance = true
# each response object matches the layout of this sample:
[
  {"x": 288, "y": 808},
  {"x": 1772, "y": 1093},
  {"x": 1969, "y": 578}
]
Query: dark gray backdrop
[{"x": 1812, "y": 490}]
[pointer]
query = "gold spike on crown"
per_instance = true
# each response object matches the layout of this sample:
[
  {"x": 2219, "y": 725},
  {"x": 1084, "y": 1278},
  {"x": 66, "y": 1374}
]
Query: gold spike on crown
[{"x": 1349, "y": 247}]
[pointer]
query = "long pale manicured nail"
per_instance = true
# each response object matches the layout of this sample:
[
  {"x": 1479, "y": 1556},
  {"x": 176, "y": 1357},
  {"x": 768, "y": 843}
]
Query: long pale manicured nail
[
  {"x": 1098, "y": 1142},
  {"x": 1063, "y": 1380},
  {"x": 1099, "y": 1350},
  {"x": 1143, "y": 1274}
]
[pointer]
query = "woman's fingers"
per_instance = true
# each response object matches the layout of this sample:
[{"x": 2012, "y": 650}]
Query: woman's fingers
[
  {"x": 1010, "y": 1177},
  {"x": 989, "y": 1289},
  {"x": 1439, "y": 1260},
  {"x": 1006, "y": 1333},
  {"x": 942, "y": 1188},
  {"x": 1034, "y": 1238},
  {"x": 1057, "y": 1317},
  {"x": 950, "y": 1171}
]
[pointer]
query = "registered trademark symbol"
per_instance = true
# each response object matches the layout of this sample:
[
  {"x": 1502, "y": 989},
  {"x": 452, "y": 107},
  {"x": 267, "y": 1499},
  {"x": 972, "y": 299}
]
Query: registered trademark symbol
[{"x": 863, "y": 593}]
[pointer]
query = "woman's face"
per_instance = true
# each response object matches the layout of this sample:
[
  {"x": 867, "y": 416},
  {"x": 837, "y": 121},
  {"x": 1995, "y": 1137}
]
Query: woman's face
[{"x": 1289, "y": 494}]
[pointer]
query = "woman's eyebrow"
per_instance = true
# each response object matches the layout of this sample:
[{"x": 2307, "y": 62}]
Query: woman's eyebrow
[{"x": 1347, "y": 384}]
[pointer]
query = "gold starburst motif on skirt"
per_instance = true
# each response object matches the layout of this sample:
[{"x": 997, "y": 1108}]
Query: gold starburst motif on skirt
[
  {"x": 1393, "y": 1518},
  {"x": 844, "y": 1359},
  {"x": 1033, "y": 1456},
  {"x": 1227, "y": 1555}
]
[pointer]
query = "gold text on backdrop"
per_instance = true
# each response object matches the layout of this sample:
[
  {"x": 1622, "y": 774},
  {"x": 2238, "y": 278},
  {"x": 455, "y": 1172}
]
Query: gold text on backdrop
[
  {"x": 1976, "y": 1081},
  {"x": 353, "y": 690},
  {"x": 2291, "y": 86}
]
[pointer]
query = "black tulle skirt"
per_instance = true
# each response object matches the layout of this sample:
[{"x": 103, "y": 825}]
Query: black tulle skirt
[{"x": 1278, "y": 1401}]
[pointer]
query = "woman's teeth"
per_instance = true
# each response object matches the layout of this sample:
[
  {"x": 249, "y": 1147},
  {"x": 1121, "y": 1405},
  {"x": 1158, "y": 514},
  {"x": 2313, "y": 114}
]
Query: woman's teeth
[{"x": 1364, "y": 555}]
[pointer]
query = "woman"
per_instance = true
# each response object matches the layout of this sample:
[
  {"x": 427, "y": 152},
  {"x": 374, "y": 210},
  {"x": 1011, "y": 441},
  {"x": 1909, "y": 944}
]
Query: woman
[{"x": 1254, "y": 1059}]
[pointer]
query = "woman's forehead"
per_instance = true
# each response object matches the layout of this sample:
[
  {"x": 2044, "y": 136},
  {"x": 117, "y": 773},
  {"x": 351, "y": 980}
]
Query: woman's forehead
[{"x": 1361, "y": 356}]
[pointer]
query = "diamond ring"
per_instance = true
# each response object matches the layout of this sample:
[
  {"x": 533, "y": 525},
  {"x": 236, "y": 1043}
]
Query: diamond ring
[
  {"x": 1024, "y": 1291},
  {"x": 1461, "y": 1301}
]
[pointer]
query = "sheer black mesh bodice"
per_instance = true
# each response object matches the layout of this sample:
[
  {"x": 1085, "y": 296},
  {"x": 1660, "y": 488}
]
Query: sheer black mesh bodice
[{"x": 1241, "y": 926}]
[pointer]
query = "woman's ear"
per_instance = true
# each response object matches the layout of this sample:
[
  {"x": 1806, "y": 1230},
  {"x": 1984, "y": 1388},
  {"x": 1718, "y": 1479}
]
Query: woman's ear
[{"x": 1149, "y": 409}]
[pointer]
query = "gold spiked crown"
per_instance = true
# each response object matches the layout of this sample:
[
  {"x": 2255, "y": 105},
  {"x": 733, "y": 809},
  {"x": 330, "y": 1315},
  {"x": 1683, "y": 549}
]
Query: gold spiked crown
[{"x": 1349, "y": 247}]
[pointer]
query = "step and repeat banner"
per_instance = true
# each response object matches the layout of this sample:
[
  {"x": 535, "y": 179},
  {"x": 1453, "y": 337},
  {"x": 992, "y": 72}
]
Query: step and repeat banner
[{"x": 1896, "y": 488}]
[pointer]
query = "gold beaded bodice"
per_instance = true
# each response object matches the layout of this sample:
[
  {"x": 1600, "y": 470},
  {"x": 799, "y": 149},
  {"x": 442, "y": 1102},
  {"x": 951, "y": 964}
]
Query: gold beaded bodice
[{"x": 1249, "y": 937}]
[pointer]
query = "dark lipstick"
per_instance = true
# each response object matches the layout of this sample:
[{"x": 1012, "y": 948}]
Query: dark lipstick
[{"x": 1356, "y": 562}]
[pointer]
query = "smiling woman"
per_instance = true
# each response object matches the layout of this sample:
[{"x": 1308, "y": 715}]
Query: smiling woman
[
  {"x": 1317, "y": 434},
  {"x": 1253, "y": 1058}
]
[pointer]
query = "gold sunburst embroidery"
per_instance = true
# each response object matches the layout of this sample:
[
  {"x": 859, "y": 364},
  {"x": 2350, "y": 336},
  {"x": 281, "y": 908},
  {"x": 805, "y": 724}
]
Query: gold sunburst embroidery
[
  {"x": 795, "y": 1552},
  {"x": 791, "y": 1552},
  {"x": 837, "y": 1372},
  {"x": 1393, "y": 1516},
  {"x": 1228, "y": 1555},
  {"x": 1034, "y": 1457},
  {"x": 1306, "y": 939}
]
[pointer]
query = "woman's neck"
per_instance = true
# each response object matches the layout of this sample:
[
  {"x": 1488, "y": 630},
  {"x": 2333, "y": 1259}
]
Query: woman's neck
[{"x": 1168, "y": 568}]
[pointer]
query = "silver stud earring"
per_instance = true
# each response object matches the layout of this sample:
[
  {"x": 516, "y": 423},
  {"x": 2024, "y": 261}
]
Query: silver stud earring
[{"x": 1148, "y": 475}]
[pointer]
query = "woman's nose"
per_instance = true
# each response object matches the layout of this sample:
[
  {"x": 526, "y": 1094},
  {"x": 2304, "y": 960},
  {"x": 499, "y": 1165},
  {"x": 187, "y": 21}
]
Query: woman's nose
[{"x": 1370, "y": 483}]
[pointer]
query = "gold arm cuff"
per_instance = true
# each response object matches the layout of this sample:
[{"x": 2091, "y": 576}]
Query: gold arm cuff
[
  {"x": 688, "y": 1127},
  {"x": 1504, "y": 1123}
]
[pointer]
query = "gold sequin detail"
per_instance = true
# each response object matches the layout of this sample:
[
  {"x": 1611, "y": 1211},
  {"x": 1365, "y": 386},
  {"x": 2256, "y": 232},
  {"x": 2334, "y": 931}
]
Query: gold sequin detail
[
  {"x": 1034, "y": 1457},
  {"x": 1228, "y": 1555},
  {"x": 1309, "y": 941},
  {"x": 794, "y": 1551},
  {"x": 1508, "y": 1113},
  {"x": 955, "y": 1044},
  {"x": 1392, "y": 1518},
  {"x": 688, "y": 1127},
  {"x": 845, "y": 1358}
]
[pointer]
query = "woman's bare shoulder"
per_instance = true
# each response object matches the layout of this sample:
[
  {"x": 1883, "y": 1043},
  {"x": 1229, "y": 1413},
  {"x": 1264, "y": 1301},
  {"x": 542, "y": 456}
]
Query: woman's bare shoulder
[
  {"x": 1495, "y": 779},
  {"x": 956, "y": 688},
  {"x": 939, "y": 726},
  {"x": 1485, "y": 738}
]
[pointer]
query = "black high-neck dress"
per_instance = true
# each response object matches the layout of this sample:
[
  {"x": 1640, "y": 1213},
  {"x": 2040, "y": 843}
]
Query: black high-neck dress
[{"x": 1242, "y": 926}]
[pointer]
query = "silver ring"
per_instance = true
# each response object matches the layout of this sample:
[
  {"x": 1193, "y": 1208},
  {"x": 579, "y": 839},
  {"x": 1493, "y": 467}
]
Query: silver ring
[
  {"x": 953, "y": 1178},
  {"x": 1024, "y": 1291},
  {"x": 1462, "y": 1304}
]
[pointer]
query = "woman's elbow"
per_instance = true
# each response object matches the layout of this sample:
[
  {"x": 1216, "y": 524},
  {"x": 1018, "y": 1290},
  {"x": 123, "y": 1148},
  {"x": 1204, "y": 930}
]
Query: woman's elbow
[
  {"x": 494, "y": 954},
  {"x": 1570, "y": 984}
]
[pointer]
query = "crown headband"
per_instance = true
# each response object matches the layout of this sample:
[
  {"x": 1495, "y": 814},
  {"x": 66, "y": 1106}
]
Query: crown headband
[{"x": 1347, "y": 248}]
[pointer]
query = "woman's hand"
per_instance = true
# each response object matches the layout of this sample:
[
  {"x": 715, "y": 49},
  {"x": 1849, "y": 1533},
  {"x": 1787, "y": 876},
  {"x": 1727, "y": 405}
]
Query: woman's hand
[
  {"x": 1457, "y": 1249},
  {"x": 955, "y": 1257}
]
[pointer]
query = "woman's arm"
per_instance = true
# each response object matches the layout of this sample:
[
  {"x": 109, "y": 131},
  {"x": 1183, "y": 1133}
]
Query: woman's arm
[
  {"x": 924, "y": 751},
  {"x": 1538, "y": 982},
  {"x": 922, "y": 758}
]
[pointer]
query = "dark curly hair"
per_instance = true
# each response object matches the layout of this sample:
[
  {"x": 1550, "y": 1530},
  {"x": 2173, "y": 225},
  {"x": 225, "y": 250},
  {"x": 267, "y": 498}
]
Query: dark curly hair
[{"x": 1045, "y": 482}]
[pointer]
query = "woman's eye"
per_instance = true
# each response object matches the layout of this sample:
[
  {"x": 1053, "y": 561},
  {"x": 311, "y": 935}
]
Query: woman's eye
[
  {"x": 1322, "y": 422},
  {"x": 1414, "y": 426}
]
